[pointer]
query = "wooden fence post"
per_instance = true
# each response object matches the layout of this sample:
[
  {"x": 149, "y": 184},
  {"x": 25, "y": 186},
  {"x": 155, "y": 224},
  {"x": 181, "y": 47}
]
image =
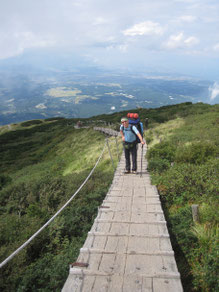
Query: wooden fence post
[{"x": 195, "y": 213}]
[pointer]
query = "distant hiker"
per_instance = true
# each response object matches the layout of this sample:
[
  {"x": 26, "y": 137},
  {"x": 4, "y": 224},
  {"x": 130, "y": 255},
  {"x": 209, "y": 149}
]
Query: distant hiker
[
  {"x": 131, "y": 136},
  {"x": 79, "y": 124}
]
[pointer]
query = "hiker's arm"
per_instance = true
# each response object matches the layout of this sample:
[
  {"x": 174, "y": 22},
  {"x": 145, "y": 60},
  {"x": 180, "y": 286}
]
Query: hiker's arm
[
  {"x": 141, "y": 139},
  {"x": 123, "y": 137}
]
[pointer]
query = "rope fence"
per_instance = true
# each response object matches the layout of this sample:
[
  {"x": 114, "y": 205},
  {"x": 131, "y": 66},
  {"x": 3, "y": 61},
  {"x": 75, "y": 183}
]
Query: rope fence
[
  {"x": 110, "y": 132},
  {"x": 57, "y": 213}
]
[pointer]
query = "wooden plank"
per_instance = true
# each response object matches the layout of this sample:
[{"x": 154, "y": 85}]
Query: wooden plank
[
  {"x": 73, "y": 283},
  {"x": 139, "y": 216},
  {"x": 101, "y": 284},
  {"x": 154, "y": 208},
  {"x": 130, "y": 222},
  {"x": 129, "y": 235},
  {"x": 116, "y": 244},
  {"x": 128, "y": 252},
  {"x": 112, "y": 263},
  {"x": 128, "y": 247},
  {"x": 132, "y": 284},
  {"x": 101, "y": 227},
  {"x": 119, "y": 228},
  {"x": 98, "y": 242},
  {"x": 167, "y": 285}
]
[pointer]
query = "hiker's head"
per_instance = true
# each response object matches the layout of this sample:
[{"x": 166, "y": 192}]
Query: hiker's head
[{"x": 125, "y": 121}]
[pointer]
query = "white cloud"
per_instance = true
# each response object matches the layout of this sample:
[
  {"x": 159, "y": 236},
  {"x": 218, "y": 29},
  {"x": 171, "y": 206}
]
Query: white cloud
[
  {"x": 28, "y": 39},
  {"x": 17, "y": 42},
  {"x": 180, "y": 41},
  {"x": 99, "y": 21},
  {"x": 41, "y": 106},
  {"x": 188, "y": 18},
  {"x": 144, "y": 28},
  {"x": 216, "y": 47},
  {"x": 191, "y": 41},
  {"x": 214, "y": 91},
  {"x": 174, "y": 41},
  {"x": 122, "y": 48},
  {"x": 114, "y": 32}
]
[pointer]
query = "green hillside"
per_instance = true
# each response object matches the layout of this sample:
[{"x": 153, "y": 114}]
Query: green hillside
[
  {"x": 43, "y": 162},
  {"x": 183, "y": 162}
]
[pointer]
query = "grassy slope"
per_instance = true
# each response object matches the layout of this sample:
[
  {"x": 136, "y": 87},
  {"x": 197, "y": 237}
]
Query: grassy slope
[
  {"x": 183, "y": 161},
  {"x": 42, "y": 166}
]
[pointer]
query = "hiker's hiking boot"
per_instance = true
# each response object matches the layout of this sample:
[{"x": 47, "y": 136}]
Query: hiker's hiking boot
[
  {"x": 126, "y": 171},
  {"x": 134, "y": 172}
]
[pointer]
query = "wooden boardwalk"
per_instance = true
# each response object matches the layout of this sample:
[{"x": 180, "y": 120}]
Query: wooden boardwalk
[{"x": 128, "y": 247}]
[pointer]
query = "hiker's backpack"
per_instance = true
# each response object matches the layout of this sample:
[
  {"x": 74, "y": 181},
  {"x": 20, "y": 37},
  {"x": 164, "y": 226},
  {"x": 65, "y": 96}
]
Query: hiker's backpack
[{"x": 135, "y": 121}]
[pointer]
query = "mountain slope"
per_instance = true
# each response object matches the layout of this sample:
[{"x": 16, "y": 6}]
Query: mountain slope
[
  {"x": 43, "y": 163},
  {"x": 183, "y": 161}
]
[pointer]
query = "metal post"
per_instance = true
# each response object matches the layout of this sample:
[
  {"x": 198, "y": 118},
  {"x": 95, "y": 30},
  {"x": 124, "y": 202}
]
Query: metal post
[{"x": 107, "y": 142}]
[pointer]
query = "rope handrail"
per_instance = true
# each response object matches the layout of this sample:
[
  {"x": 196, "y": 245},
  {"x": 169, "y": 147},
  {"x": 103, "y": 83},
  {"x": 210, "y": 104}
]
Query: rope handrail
[{"x": 54, "y": 216}]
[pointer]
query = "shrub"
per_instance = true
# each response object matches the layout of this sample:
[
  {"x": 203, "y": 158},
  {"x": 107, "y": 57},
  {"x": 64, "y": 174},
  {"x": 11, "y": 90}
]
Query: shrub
[
  {"x": 149, "y": 136},
  {"x": 158, "y": 165},
  {"x": 196, "y": 153},
  {"x": 204, "y": 261},
  {"x": 30, "y": 123},
  {"x": 182, "y": 240},
  {"x": 54, "y": 119},
  {"x": 4, "y": 180},
  {"x": 209, "y": 213},
  {"x": 189, "y": 182},
  {"x": 163, "y": 150}
]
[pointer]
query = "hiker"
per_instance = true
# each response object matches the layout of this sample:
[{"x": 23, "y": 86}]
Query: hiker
[{"x": 129, "y": 137}]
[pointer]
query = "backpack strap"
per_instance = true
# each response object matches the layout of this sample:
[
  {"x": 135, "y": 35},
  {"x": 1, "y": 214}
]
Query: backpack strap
[
  {"x": 132, "y": 130},
  {"x": 122, "y": 129},
  {"x": 136, "y": 137}
]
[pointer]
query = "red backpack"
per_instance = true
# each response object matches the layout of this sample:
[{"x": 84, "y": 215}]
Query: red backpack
[
  {"x": 132, "y": 116},
  {"x": 135, "y": 121}
]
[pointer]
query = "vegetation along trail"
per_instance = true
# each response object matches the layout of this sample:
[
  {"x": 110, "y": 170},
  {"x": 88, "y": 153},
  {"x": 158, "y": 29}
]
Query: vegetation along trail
[{"x": 43, "y": 162}]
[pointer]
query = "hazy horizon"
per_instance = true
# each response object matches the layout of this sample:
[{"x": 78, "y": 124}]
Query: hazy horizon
[{"x": 173, "y": 35}]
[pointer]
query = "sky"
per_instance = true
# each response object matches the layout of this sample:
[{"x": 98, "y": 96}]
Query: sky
[{"x": 167, "y": 35}]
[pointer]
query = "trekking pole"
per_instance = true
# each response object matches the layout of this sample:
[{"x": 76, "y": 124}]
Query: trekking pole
[{"x": 141, "y": 157}]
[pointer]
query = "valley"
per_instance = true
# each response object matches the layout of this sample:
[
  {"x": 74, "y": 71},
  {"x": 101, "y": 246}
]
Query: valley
[{"x": 69, "y": 94}]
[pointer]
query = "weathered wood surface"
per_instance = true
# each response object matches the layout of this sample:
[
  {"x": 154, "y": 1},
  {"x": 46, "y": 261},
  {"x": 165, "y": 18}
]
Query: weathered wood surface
[{"x": 128, "y": 247}]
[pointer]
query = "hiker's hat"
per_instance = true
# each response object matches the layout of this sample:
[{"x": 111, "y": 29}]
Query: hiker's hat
[{"x": 124, "y": 119}]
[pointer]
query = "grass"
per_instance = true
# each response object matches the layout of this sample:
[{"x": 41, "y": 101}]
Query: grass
[
  {"x": 43, "y": 165},
  {"x": 183, "y": 161},
  {"x": 163, "y": 131},
  {"x": 44, "y": 162}
]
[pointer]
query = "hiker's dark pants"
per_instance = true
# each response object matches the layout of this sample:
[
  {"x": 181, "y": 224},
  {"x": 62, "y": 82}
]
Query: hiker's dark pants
[{"x": 131, "y": 151}]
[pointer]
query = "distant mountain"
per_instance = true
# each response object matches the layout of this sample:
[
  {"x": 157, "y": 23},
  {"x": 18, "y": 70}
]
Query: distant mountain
[{"x": 43, "y": 86}]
